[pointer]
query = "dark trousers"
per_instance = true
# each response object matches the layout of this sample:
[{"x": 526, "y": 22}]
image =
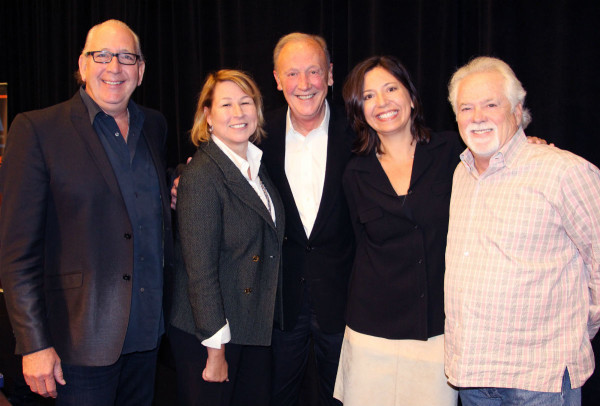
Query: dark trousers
[
  {"x": 248, "y": 366},
  {"x": 127, "y": 382},
  {"x": 290, "y": 355}
]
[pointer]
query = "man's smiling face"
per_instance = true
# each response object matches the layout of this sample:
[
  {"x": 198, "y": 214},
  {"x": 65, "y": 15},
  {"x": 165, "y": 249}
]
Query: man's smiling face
[{"x": 303, "y": 75}]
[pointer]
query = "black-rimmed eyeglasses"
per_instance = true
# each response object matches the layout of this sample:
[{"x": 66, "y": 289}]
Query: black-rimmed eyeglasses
[{"x": 124, "y": 58}]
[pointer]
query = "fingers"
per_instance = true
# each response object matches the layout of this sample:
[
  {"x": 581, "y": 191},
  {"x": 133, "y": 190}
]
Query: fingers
[
  {"x": 174, "y": 193},
  {"x": 40, "y": 369},
  {"x": 58, "y": 374},
  {"x": 208, "y": 376},
  {"x": 43, "y": 385}
]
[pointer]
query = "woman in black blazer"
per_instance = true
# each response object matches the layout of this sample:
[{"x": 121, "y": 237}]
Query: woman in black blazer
[
  {"x": 231, "y": 224},
  {"x": 398, "y": 190}
]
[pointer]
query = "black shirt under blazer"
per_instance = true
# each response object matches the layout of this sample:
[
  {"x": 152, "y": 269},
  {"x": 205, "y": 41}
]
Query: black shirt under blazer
[
  {"x": 397, "y": 284},
  {"x": 66, "y": 239},
  {"x": 231, "y": 251},
  {"x": 322, "y": 261}
]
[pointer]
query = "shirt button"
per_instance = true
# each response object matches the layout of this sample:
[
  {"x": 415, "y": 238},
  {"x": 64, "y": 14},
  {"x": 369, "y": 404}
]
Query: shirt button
[
  {"x": 127, "y": 236},
  {"x": 255, "y": 258},
  {"x": 142, "y": 290},
  {"x": 116, "y": 134},
  {"x": 248, "y": 291},
  {"x": 420, "y": 261},
  {"x": 466, "y": 253},
  {"x": 126, "y": 277}
]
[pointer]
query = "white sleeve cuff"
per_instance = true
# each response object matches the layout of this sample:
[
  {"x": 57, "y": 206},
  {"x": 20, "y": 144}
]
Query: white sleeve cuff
[{"x": 223, "y": 336}]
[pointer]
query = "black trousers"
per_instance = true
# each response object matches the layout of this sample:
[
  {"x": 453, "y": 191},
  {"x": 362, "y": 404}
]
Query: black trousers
[
  {"x": 127, "y": 382},
  {"x": 290, "y": 356},
  {"x": 249, "y": 370}
]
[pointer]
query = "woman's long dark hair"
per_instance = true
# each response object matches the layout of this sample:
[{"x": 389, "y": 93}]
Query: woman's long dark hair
[{"x": 367, "y": 139}]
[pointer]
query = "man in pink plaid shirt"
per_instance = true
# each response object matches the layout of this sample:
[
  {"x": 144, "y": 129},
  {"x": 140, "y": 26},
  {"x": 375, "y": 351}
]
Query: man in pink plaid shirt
[{"x": 522, "y": 284}]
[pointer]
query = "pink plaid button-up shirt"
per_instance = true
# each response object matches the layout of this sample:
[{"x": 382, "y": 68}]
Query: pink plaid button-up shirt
[{"x": 522, "y": 283}]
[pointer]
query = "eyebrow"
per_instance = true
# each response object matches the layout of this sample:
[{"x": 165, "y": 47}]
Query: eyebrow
[{"x": 384, "y": 85}]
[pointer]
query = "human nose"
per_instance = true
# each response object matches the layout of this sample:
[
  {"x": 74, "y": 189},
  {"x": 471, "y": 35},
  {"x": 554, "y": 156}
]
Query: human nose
[
  {"x": 237, "y": 110},
  {"x": 303, "y": 81},
  {"x": 380, "y": 99},
  {"x": 114, "y": 65},
  {"x": 478, "y": 115}
]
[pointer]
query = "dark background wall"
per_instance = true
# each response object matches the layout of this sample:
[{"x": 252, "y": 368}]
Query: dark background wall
[{"x": 551, "y": 45}]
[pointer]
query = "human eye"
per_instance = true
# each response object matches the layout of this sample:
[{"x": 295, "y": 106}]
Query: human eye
[
  {"x": 127, "y": 58},
  {"x": 465, "y": 108},
  {"x": 367, "y": 96},
  {"x": 292, "y": 74},
  {"x": 102, "y": 56}
]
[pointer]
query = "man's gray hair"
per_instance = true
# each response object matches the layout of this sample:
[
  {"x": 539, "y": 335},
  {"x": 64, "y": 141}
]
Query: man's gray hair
[
  {"x": 513, "y": 88},
  {"x": 299, "y": 37}
]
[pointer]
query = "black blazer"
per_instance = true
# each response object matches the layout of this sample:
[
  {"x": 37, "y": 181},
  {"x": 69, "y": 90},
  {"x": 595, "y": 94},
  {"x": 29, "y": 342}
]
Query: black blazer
[
  {"x": 66, "y": 246},
  {"x": 397, "y": 284},
  {"x": 322, "y": 261},
  {"x": 231, "y": 251}
]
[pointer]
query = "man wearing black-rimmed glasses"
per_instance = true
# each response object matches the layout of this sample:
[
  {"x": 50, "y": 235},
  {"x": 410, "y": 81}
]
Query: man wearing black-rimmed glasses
[{"x": 85, "y": 232}]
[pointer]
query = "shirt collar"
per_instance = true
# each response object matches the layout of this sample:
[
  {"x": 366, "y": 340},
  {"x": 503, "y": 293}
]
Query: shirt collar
[
  {"x": 505, "y": 157},
  {"x": 323, "y": 127},
  {"x": 93, "y": 109},
  {"x": 254, "y": 155}
]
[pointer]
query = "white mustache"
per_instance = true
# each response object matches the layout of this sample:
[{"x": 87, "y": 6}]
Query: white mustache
[{"x": 481, "y": 126}]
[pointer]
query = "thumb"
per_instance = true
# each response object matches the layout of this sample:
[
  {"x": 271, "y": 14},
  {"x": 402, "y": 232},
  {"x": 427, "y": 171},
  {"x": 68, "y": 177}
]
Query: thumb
[{"x": 58, "y": 374}]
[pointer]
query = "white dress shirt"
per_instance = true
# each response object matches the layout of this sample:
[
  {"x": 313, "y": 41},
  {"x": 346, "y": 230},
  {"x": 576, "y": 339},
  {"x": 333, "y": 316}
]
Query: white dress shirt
[{"x": 305, "y": 162}]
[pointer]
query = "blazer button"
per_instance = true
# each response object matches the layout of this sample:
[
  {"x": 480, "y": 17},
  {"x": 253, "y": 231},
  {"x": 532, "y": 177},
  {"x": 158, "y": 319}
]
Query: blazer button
[
  {"x": 248, "y": 291},
  {"x": 126, "y": 277},
  {"x": 255, "y": 258},
  {"x": 308, "y": 248},
  {"x": 127, "y": 236}
]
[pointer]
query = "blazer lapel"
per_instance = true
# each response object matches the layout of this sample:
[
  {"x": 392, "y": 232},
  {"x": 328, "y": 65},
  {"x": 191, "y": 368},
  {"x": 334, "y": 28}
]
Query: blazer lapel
[
  {"x": 338, "y": 153},
  {"x": 237, "y": 183},
  {"x": 81, "y": 121},
  {"x": 274, "y": 156}
]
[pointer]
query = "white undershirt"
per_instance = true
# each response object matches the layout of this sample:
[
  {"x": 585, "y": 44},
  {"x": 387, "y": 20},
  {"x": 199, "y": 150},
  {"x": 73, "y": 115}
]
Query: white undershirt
[{"x": 305, "y": 163}]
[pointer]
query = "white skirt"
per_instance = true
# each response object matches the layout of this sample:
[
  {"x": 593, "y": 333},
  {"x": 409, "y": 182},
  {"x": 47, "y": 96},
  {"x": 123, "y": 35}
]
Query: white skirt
[{"x": 382, "y": 372}]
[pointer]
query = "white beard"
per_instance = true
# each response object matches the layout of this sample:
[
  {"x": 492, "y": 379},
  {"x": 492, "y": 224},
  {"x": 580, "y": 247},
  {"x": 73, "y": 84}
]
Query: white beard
[{"x": 482, "y": 148}]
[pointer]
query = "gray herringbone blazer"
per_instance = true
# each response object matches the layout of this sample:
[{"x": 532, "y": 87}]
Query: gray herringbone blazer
[{"x": 231, "y": 251}]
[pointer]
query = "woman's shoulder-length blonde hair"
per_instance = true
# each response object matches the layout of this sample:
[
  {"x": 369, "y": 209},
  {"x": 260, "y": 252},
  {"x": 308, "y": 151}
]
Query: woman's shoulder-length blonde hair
[{"x": 200, "y": 133}]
